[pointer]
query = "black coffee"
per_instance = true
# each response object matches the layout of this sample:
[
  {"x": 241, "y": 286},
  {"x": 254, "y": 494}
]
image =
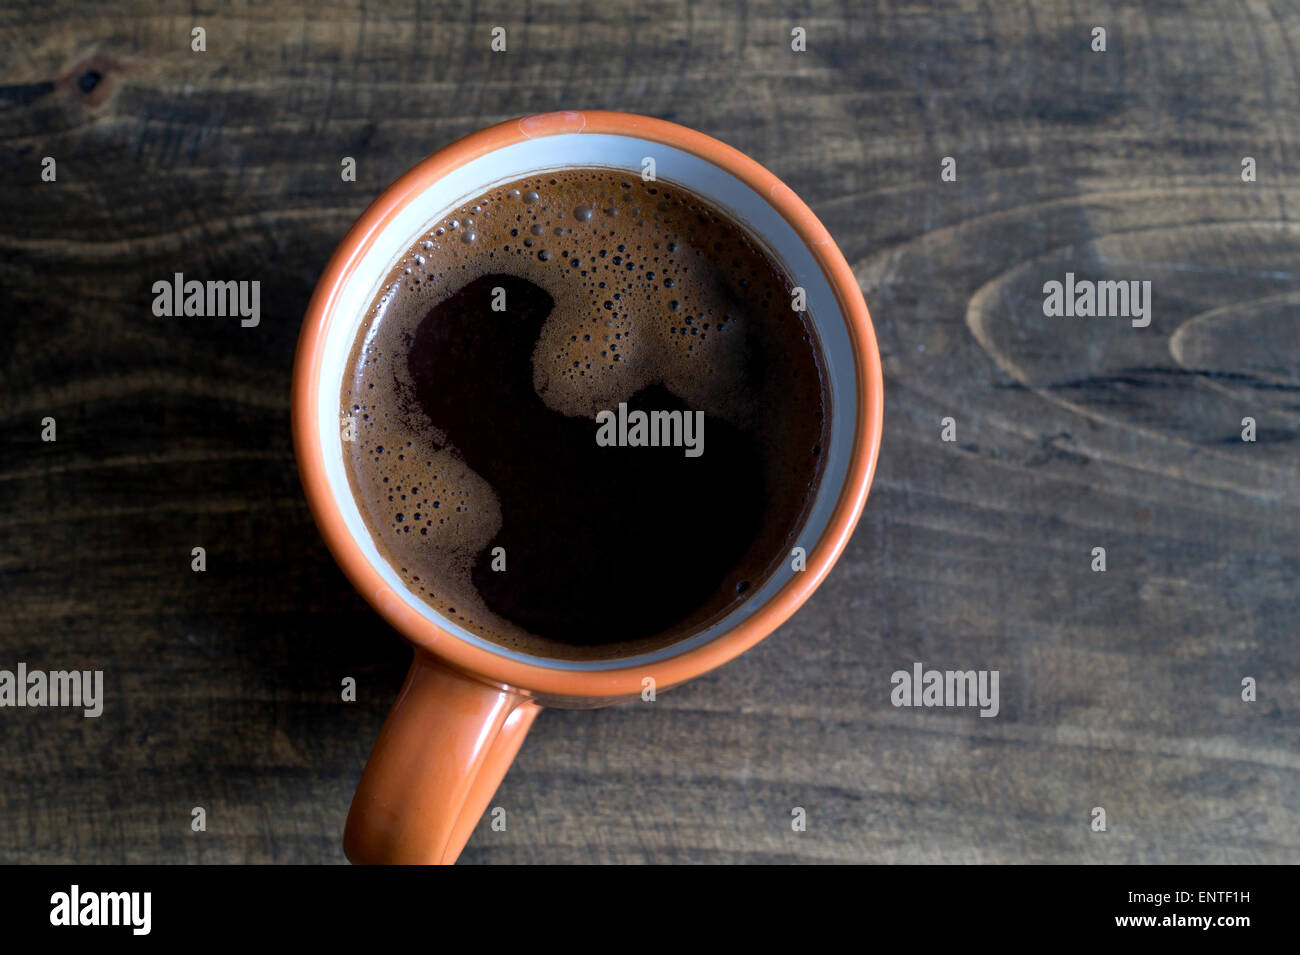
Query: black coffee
[{"x": 588, "y": 420}]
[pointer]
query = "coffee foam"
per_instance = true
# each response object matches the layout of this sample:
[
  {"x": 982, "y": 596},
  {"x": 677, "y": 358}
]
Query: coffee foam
[{"x": 651, "y": 286}]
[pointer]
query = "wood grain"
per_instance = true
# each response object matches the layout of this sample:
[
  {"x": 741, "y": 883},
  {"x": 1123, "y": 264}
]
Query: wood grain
[{"x": 1119, "y": 690}]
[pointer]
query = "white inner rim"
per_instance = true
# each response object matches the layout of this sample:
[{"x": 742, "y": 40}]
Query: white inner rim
[{"x": 626, "y": 153}]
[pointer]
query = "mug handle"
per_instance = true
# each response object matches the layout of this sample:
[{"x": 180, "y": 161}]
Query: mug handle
[{"x": 440, "y": 757}]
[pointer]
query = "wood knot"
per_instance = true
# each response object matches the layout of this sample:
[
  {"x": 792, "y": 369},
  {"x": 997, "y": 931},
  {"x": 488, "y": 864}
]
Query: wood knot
[{"x": 93, "y": 79}]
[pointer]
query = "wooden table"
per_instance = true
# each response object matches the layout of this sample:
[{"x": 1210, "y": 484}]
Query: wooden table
[{"x": 1120, "y": 690}]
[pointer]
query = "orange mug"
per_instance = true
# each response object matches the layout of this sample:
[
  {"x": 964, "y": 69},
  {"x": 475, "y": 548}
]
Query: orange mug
[{"x": 467, "y": 703}]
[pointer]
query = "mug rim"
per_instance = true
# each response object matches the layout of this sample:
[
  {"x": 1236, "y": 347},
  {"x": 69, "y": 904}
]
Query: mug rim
[{"x": 533, "y": 678}]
